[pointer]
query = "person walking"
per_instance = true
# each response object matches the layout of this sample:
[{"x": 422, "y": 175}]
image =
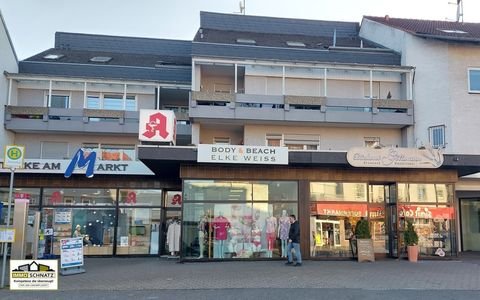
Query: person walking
[{"x": 294, "y": 242}]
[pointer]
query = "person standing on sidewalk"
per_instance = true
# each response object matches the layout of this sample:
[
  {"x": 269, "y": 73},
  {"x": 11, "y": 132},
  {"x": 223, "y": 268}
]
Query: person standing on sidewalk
[{"x": 294, "y": 242}]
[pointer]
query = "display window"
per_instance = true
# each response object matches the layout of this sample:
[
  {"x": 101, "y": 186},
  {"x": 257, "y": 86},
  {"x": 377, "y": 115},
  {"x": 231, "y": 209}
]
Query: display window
[
  {"x": 79, "y": 197},
  {"x": 94, "y": 225},
  {"x": 140, "y": 197},
  {"x": 138, "y": 231},
  {"x": 256, "y": 227}
]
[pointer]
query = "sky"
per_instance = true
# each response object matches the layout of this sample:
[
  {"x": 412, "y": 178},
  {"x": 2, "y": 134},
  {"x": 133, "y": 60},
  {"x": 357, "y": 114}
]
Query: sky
[{"x": 32, "y": 23}]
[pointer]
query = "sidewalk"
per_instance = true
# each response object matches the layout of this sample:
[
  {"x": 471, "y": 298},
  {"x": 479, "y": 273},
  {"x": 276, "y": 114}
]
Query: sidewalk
[{"x": 156, "y": 274}]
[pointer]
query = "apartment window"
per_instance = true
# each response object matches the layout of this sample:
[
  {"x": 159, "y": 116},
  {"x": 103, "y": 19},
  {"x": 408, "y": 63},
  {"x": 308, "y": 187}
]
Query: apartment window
[
  {"x": 111, "y": 152},
  {"x": 59, "y": 101},
  {"x": 301, "y": 141},
  {"x": 274, "y": 140},
  {"x": 112, "y": 102},
  {"x": 221, "y": 140},
  {"x": 246, "y": 41},
  {"x": 474, "y": 80},
  {"x": 54, "y": 150},
  {"x": 437, "y": 136},
  {"x": 295, "y": 44},
  {"x": 371, "y": 141},
  {"x": 222, "y": 88}
]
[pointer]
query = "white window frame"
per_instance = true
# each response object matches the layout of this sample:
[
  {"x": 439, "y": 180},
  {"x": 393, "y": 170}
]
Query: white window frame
[
  {"x": 290, "y": 138},
  {"x": 100, "y": 147},
  {"x": 468, "y": 80},
  {"x": 431, "y": 136},
  {"x": 221, "y": 140},
  {"x": 101, "y": 97},
  {"x": 59, "y": 142},
  {"x": 48, "y": 98}
]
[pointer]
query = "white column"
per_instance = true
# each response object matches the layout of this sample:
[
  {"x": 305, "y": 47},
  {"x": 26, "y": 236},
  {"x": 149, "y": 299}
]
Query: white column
[
  {"x": 85, "y": 104},
  {"x": 283, "y": 80},
  {"x": 236, "y": 73},
  {"x": 49, "y": 94},
  {"x": 158, "y": 96},
  {"x": 9, "y": 97},
  {"x": 325, "y": 82},
  {"x": 371, "y": 84},
  {"x": 410, "y": 85},
  {"x": 194, "y": 85},
  {"x": 124, "y": 96}
]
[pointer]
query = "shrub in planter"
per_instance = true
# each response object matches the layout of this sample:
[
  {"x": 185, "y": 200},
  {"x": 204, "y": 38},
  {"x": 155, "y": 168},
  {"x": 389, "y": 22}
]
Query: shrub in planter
[
  {"x": 410, "y": 237},
  {"x": 362, "y": 230}
]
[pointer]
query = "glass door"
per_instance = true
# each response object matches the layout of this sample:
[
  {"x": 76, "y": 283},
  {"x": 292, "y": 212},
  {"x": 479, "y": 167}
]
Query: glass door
[
  {"x": 392, "y": 221},
  {"x": 382, "y": 212},
  {"x": 470, "y": 212}
]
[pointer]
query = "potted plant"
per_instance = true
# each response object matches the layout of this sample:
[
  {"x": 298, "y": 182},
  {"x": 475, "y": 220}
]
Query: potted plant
[
  {"x": 364, "y": 241},
  {"x": 411, "y": 241}
]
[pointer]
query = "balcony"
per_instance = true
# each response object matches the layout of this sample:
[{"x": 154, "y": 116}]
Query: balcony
[
  {"x": 326, "y": 110},
  {"x": 72, "y": 120}
]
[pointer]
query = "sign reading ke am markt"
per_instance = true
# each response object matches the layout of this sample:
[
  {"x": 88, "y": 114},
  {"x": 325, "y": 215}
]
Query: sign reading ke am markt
[
  {"x": 231, "y": 154},
  {"x": 428, "y": 158}
]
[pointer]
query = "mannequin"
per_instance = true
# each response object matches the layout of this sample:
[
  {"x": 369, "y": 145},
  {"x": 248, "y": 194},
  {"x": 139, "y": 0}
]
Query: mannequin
[
  {"x": 270, "y": 230},
  {"x": 220, "y": 226},
  {"x": 283, "y": 229},
  {"x": 78, "y": 231},
  {"x": 173, "y": 236},
  {"x": 256, "y": 238},
  {"x": 202, "y": 232}
]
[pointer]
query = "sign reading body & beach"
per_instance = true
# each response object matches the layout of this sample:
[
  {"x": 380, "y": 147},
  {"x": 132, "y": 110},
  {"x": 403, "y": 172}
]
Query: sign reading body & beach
[{"x": 232, "y": 154}]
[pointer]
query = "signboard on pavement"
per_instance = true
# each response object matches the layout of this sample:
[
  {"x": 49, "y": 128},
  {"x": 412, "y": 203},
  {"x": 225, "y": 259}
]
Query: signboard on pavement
[{"x": 71, "y": 252}]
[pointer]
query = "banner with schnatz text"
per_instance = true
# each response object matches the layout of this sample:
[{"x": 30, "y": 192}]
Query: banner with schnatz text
[{"x": 232, "y": 154}]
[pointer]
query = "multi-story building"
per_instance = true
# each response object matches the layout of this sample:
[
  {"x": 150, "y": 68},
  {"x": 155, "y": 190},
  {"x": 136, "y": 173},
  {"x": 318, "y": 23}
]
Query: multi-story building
[
  {"x": 446, "y": 57},
  {"x": 308, "y": 118},
  {"x": 86, "y": 93},
  {"x": 8, "y": 63}
]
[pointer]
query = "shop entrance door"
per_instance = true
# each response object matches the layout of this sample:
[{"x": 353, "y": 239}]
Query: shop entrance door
[{"x": 382, "y": 212}]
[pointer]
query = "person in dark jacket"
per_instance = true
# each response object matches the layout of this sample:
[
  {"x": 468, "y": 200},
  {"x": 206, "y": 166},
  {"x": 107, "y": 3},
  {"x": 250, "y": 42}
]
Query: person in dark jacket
[{"x": 294, "y": 242}]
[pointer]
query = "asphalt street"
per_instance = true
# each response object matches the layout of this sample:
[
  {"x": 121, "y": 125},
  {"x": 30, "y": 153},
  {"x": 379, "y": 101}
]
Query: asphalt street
[{"x": 153, "y": 278}]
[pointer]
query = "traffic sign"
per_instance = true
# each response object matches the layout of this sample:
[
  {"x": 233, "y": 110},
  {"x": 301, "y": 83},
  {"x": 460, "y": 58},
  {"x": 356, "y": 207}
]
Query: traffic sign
[{"x": 14, "y": 157}]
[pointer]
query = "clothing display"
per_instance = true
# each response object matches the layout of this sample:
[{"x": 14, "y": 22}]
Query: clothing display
[
  {"x": 220, "y": 226},
  {"x": 173, "y": 236},
  {"x": 284, "y": 228}
]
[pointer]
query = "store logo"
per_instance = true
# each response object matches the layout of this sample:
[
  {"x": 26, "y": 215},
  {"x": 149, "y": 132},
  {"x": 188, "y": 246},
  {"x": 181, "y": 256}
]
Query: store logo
[
  {"x": 32, "y": 275},
  {"x": 81, "y": 161},
  {"x": 157, "y": 124},
  {"x": 177, "y": 199}
]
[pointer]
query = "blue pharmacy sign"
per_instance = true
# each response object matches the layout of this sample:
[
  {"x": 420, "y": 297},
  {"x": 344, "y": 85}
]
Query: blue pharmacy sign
[{"x": 81, "y": 161}]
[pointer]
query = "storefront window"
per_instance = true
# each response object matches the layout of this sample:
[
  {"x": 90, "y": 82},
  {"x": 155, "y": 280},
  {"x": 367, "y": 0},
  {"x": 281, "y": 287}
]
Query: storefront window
[
  {"x": 140, "y": 197},
  {"x": 138, "y": 231},
  {"x": 470, "y": 211},
  {"x": 79, "y": 197},
  {"x": 94, "y": 225},
  {"x": 33, "y": 195},
  {"x": 338, "y": 191},
  {"x": 429, "y": 193},
  {"x": 332, "y": 226},
  {"x": 433, "y": 225},
  {"x": 256, "y": 227}
]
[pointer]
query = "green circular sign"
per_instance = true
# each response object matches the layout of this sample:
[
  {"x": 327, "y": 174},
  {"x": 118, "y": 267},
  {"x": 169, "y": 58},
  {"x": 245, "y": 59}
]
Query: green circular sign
[{"x": 14, "y": 153}]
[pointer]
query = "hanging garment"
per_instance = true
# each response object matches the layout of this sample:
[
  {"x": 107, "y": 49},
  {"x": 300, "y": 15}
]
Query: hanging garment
[
  {"x": 173, "y": 237},
  {"x": 220, "y": 226},
  {"x": 284, "y": 228}
]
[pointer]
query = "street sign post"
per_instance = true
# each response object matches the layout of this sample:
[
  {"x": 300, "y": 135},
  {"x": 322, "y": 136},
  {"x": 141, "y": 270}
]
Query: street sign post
[{"x": 13, "y": 159}]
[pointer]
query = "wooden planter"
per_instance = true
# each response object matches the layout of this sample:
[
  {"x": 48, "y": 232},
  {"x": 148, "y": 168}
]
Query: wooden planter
[{"x": 412, "y": 253}]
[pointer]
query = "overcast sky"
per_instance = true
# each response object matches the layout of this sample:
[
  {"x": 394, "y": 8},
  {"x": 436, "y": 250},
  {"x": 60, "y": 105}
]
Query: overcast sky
[{"x": 33, "y": 23}]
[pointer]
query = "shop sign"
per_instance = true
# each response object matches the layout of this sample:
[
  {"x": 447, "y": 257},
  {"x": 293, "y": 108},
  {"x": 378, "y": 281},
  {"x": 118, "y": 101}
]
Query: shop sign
[
  {"x": 174, "y": 199},
  {"x": 34, "y": 274},
  {"x": 7, "y": 235},
  {"x": 157, "y": 126},
  {"x": 63, "y": 216},
  {"x": 232, "y": 154},
  {"x": 49, "y": 166},
  {"x": 365, "y": 157},
  {"x": 71, "y": 252},
  {"x": 425, "y": 212},
  {"x": 340, "y": 210}
]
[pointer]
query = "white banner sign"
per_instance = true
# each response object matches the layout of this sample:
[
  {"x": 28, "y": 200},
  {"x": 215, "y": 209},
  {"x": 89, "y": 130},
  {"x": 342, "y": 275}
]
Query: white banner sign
[
  {"x": 57, "y": 166},
  {"x": 38, "y": 274},
  {"x": 231, "y": 154},
  {"x": 71, "y": 252},
  {"x": 157, "y": 126},
  {"x": 395, "y": 158}
]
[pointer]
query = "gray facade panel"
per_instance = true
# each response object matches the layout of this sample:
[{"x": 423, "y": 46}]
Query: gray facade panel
[
  {"x": 328, "y": 56},
  {"x": 173, "y": 75}
]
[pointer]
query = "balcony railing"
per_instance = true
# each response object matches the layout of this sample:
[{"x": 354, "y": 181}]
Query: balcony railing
[
  {"x": 45, "y": 119},
  {"x": 301, "y": 108}
]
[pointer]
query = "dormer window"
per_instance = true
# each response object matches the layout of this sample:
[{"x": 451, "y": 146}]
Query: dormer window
[
  {"x": 246, "y": 41},
  {"x": 295, "y": 44},
  {"x": 101, "y": 59},
  {"x": 53, "y": 56}
]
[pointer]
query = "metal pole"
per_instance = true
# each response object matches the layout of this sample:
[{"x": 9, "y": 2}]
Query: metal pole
[{"x": 5, "y": 245}]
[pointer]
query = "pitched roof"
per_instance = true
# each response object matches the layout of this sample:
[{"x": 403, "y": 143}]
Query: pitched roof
[{"x": 442, "y": 30}]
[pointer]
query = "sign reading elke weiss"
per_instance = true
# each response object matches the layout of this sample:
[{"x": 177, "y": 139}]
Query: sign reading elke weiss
[{"x": 231, "y": 154}]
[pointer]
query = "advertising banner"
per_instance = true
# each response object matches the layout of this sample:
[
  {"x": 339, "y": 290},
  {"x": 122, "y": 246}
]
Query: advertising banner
[
  {"x": 34, "y": 274},
  {"x": 71, "y": 252},
  {"x": 232, "y": 154}
]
